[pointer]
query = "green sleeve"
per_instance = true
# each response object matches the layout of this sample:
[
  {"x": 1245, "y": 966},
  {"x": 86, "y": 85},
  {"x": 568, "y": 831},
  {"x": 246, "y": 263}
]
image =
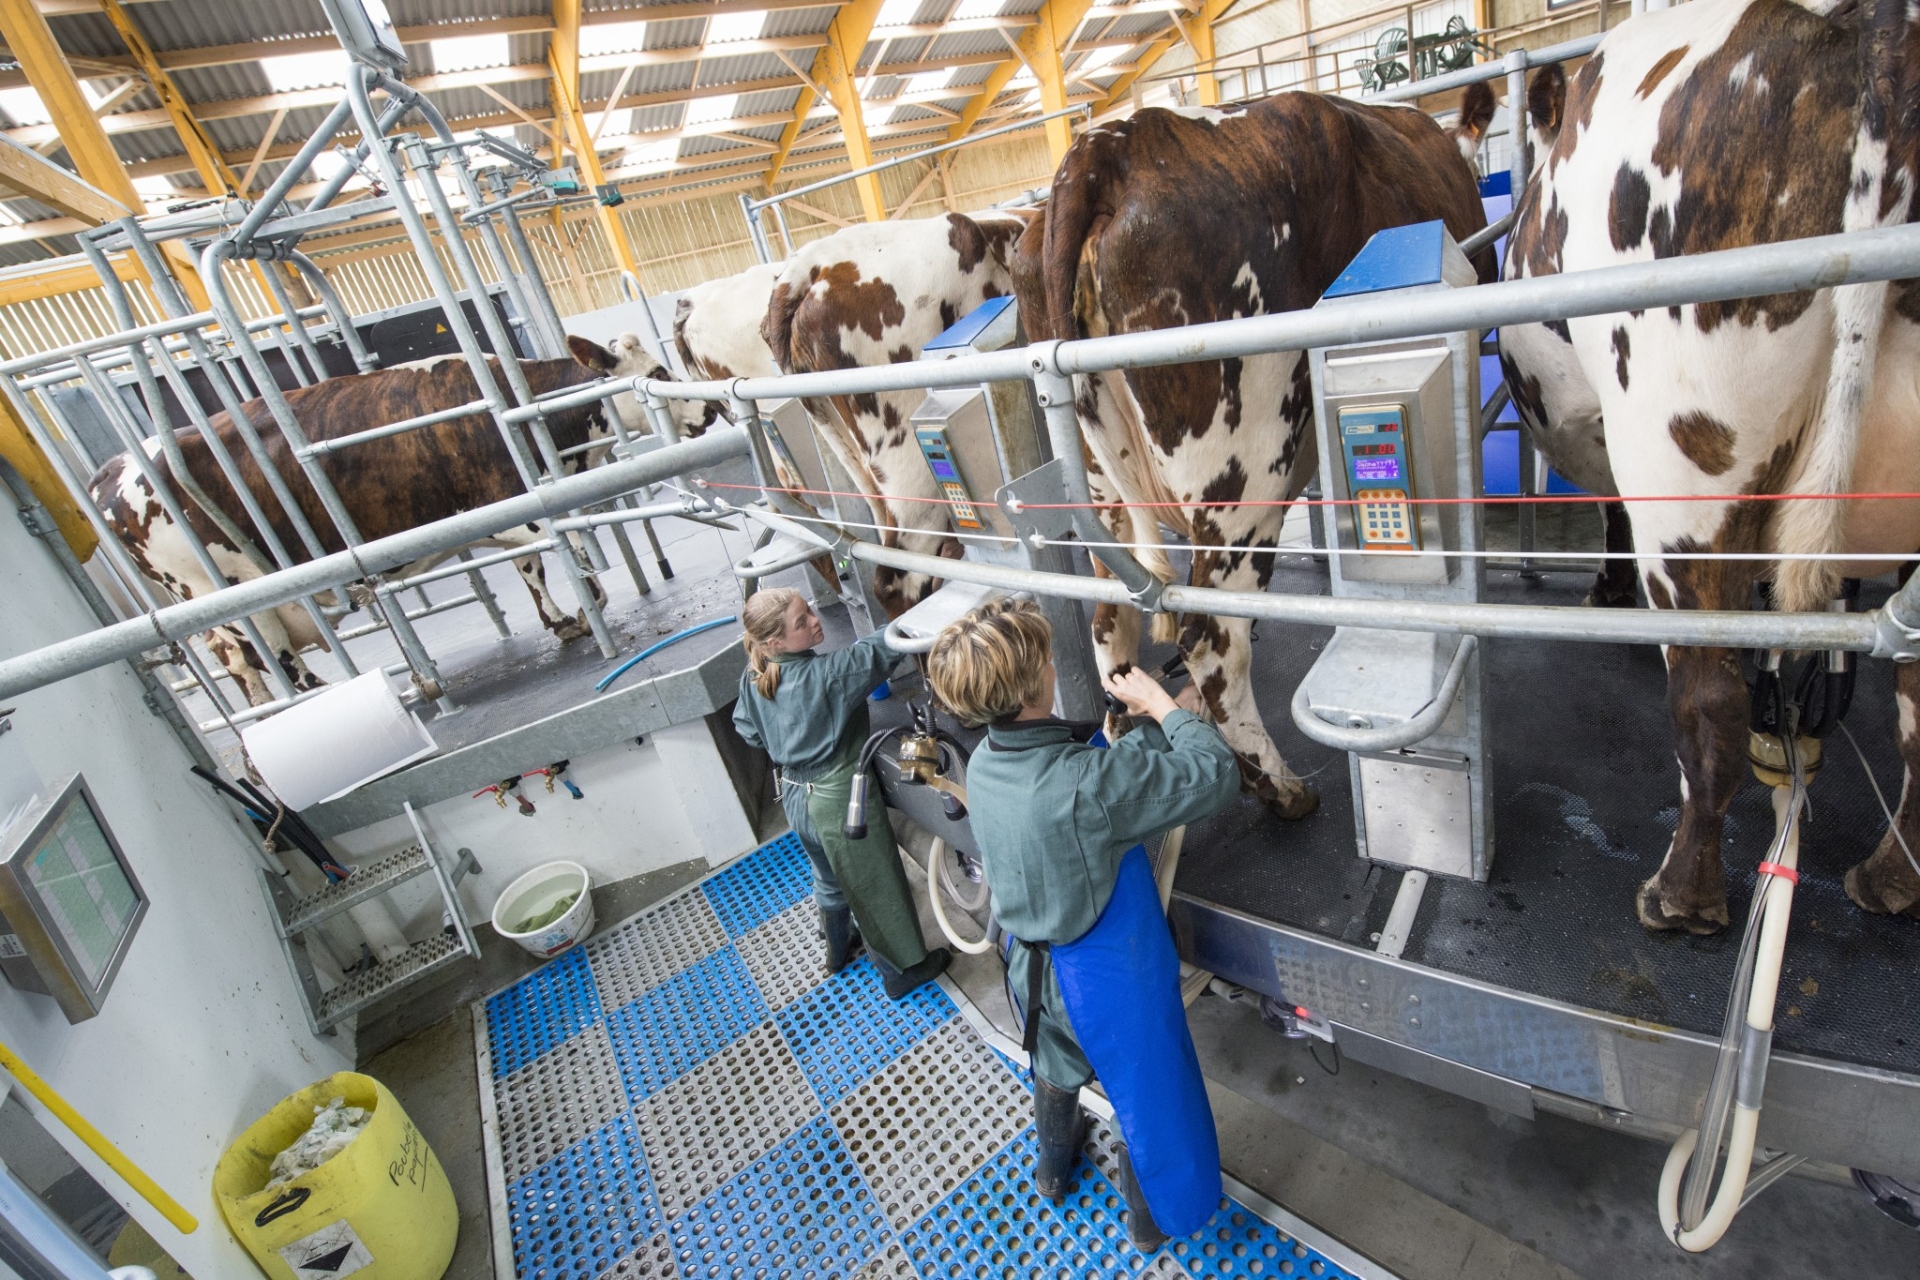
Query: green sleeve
[
  {"x": 1145, "y": 788},
  {"x": 745, "y": 722},
  {"x": 858, "y": 669}
]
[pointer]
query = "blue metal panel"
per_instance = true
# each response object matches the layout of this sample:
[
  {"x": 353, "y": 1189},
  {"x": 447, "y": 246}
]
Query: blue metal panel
[
  {"x": 1397, "y": 258},
  {"x": 543, "y": 1010},
  {"x": 684, "y": 1021},
  {"x": 968, "y": 327}
]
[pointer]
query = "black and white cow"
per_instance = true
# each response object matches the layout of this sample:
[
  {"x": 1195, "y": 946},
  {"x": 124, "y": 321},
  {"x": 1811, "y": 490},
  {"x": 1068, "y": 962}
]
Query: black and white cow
[{"x": 1714, "y": 125}]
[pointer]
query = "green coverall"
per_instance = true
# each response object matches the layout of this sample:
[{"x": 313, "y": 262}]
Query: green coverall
[
  {"x": 813, "y": 728},
  {"x": 1053, "y": 816}
]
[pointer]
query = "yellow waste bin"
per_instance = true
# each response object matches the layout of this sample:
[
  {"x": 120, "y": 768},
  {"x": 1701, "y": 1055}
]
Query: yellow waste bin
[{"x": 380, "y": 1209}]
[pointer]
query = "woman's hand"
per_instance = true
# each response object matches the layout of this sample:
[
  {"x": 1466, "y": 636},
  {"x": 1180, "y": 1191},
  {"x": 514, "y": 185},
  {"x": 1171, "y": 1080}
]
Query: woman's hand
[{"x": 1140, "y": 693}]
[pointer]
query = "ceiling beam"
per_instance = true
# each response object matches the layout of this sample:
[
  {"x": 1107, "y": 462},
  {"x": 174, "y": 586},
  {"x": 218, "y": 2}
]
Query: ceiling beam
[
  {"x": 214, "y": 172},
  {"x": 1210, "y": 12},
  {"x": 563, "y": 55},
  {"x": 834, "y": 70},
  {"x": 25, "y": 173},
  {"x": 1039, "y": 47}
]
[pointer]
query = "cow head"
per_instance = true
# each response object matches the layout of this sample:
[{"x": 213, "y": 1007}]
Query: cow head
[{"x": 629, "y": 358}]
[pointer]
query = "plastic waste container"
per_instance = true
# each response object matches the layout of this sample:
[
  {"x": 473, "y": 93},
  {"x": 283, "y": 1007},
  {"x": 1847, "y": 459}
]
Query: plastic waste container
[{"x": 380, "y": 1209}]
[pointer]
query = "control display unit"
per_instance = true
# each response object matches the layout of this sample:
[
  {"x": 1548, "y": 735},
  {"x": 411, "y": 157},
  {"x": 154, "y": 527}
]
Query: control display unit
[
  {"x": 1375, "y": 450},
  {"x": 946, "y": 474}
]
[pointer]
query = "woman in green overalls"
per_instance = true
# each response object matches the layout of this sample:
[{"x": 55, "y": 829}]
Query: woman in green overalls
[
  {"x": 1058, "y": 824},
  {"x": 808, "y": 711}
]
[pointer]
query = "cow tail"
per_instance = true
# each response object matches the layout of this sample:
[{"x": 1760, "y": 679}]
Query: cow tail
[
  {"x": 1880, "y": 194},
  {"x": 776, "y": 330},
  {"x": 1476, "y": 113},
  {"x": 1079, "y": 196}
]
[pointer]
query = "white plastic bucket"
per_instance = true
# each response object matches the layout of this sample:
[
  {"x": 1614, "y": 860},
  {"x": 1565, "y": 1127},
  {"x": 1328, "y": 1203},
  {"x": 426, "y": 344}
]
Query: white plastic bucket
[{"x": 535, "y": 893}]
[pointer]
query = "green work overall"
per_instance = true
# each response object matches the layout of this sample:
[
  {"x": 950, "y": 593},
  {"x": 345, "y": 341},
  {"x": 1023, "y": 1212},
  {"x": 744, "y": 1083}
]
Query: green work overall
[
  {"x": 1053, "y": 817},
  {"x": 814, "y": 727}
]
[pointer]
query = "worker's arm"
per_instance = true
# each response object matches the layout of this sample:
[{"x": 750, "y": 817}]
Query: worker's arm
[
  {"x": 858, "y": 669},
  {"x": 1178, "y": 770},
  {"x": 744, "y": 721}
]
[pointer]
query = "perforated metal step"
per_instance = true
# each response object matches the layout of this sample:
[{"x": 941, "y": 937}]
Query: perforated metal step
[
  {"x": 689, "y": 1095},
  {"x": 362, "y": 989},
  {"x": 367, "y": 882}
]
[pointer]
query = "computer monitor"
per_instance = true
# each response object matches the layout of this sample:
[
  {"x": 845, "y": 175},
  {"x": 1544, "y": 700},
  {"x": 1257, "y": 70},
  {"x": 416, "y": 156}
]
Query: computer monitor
[{"x": 70, "y": 902}]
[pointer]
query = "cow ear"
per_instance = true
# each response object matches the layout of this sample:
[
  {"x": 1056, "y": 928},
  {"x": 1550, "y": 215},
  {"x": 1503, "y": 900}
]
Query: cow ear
[
  {"x": 591, "y": 354},
  {"x": 1547, "y": 100},
  {"x": 660, "y": 373}
]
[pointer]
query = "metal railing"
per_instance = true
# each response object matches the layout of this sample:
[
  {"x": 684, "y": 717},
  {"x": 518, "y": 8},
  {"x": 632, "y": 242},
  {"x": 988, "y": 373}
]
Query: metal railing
[{"x": 223, "y": 352}]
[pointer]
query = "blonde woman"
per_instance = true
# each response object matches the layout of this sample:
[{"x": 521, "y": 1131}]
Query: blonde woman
[
  {"x": 1058, "y": 824},
  {"x": 808, "y": 711}
]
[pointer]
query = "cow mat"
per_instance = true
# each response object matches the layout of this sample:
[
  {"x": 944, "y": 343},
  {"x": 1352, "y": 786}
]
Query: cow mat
[{"x": 688, "y": 1095}]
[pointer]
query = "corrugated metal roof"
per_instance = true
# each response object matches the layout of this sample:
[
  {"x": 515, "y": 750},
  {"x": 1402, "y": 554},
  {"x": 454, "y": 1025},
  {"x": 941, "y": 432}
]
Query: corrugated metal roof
[
  {"x": 798, "y": 22},
  {"x": 680, "y": 33},
  {"x": 961, "y": 43},
  {"x": 193, "y": 24},
  {"x": 1140, "y": 24}
]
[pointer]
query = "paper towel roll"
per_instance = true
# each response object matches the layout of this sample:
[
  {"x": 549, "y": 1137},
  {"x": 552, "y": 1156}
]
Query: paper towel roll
[{"x": 324, "y": 747}]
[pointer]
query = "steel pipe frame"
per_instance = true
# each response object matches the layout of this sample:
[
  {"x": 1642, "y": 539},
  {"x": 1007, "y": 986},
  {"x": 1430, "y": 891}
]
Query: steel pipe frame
[{"x": 169, "y": 623}]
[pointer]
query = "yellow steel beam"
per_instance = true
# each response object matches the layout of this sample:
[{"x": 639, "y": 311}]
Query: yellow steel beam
[
  {"x": 205, "y": 154},
  {"x": 1210, "y": 13},
  {"x": 18, "y": 448},
  {"x": 27, "y": 173},
  {"x": 563, "y": 57},
  {"x": 1199, "y": 33},
  {"x": 833, "y": 70},
  {"x": 1039, "y": 48}
]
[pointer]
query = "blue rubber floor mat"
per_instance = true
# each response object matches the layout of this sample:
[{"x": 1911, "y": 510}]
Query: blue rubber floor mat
[{"x": 770, "y": 1119}]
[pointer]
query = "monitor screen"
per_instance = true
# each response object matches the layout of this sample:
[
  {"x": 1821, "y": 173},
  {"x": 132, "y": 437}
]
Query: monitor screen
[
  {"x": 942, "y": 469},
  {"x": 87, "y": 899},
  {"x": 1376, "y": 468}
]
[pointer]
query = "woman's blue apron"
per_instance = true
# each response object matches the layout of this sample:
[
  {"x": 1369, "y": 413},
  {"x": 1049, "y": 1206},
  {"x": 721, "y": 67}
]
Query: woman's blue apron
[{"x": 1121, "y": 981}]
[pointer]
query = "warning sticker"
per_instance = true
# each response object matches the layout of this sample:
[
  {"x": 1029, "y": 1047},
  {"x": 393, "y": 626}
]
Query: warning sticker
[{"x": 331, "y": 1251}]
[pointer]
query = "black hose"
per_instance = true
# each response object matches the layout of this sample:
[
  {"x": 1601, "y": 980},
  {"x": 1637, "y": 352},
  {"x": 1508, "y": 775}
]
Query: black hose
[{"x": 298, "y": 834}]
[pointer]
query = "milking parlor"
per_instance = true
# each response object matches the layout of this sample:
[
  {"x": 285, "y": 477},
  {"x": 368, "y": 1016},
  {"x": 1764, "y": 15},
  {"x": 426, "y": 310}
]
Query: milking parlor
[{"x": 959, "y": 639}]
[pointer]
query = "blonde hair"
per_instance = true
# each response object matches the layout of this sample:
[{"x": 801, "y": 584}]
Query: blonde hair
[
  {"x": 989, "y": 664},
  {"x": 764, "y": 620}
]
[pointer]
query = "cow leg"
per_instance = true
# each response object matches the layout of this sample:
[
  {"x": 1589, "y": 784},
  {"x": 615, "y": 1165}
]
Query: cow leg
[
  {"x": 1116, "y": 642},
  {"x": 239, "y": 659},
  {"x": 1886, "y": 883},
  {"x": 1219, "y": 654},
  {"x": 1708, "y": 700},
  {"x": 1616, "y": 586},
  {"x": 565, "y": 626}
]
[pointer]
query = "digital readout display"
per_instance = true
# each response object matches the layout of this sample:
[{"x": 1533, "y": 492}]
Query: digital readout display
[
  {"x": 1366, "y": 450},
  {"x": 942, "y": 469},
  {"x": 1376, "y": 468}
]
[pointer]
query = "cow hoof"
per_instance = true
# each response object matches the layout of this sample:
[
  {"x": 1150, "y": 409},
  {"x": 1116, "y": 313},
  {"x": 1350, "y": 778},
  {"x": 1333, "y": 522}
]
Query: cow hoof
[
  {"x": 1295, "y": 803},
  {"x": 1603, "y": 596},
  {"x": 1655, "y": 915},
  {"x": 572, "y": 628},
  {"x": 1880, "y": 899}
]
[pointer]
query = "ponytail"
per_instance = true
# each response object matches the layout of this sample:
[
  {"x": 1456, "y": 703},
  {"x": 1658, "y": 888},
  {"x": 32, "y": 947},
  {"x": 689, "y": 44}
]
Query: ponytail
[{"x": 762, "y": 621}]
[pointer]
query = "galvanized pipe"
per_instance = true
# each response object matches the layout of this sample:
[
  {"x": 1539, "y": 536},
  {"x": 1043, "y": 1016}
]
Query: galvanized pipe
[
  {"x": 334, "y": 444},
  {"x": 297, "y": 169},
  {"x": 172, "y": 622},
  {"x": 1562, "y": 52},
  {"x": 332, "y": 305},
  {"x": 277, "y": 285},
  {"x": 536, "y": 283}
]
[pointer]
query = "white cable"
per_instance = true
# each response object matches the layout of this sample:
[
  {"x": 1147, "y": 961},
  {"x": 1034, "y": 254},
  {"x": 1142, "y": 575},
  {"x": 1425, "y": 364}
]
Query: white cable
[{"x": 1892, "y": 824}]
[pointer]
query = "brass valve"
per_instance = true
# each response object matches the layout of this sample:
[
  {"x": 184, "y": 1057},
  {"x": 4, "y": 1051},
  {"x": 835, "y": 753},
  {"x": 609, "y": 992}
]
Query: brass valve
[{"x": 1768, "y": 756}]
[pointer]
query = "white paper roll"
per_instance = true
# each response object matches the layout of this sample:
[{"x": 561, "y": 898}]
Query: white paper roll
[{"x": 324, "y": 747}]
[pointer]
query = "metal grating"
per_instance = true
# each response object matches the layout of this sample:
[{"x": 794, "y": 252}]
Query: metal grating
[
  {"x": 806, "y": 1199},
  {"x": 558, "y": 1098},
  {"x": 845, "y": 1029},
  {"x": 631, "y": 960},
  {"x": 707, "y": 1127},
  {"x": 366, "y": 882},
  {"x": 787, "y": 1123},
  {"x": 540, "y": 1012},
  {"x": 683, "y": 1022},
  {"x": 786, "y": 955},
  {"x": 580, "y": 1213},
  {"x": 930, "y": 1118},
  {"x": 363, "y": 988},
  {"x": 754, "y": 890}
]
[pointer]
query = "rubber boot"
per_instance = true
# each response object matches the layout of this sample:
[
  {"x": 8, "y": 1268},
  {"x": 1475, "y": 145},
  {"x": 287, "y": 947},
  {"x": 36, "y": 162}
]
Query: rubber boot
[
  {"x": 1142, "y": 1232},
  {"x": 836, "y": 926},
  {"x": 903, "y": 984},
  {"x": 1061, "y": 1127}
]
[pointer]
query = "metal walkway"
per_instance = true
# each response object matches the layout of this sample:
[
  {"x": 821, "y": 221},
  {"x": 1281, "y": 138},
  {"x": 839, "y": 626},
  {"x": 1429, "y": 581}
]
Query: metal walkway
[{"x": 687, "y": 1095}]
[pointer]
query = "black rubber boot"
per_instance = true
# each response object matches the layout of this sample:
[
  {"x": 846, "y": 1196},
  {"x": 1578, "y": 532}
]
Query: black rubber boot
[
  {"x": 901, "y": 985},
  {"x": 1061, "y": 1127},
  {"x": 836, "y": 927},
  {"x": 1142, "y": 1232}
]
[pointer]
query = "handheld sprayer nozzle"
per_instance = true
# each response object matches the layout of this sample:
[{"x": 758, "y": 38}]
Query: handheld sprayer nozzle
[{"x": 855, "y": 827}]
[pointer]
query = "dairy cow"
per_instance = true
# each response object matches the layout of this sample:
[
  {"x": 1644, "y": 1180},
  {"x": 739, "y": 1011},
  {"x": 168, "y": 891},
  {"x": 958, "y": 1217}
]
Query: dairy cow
[
  {"x": 1714, "y": 125},
  {"x": 875, "y": 293},
  {"x": 387, "y": 485},
  {"x": 1172, "y": 218}
]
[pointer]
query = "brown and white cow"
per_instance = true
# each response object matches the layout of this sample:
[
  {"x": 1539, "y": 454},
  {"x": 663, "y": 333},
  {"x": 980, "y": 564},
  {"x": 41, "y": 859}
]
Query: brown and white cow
[
  {"x": 872, "y": 294},
  {"x": 716, "y": 325},
  {"x": 387, "y": 485},
  {"x": 1172, "y": 218},
  {"x": 1719, "y": 124}
]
